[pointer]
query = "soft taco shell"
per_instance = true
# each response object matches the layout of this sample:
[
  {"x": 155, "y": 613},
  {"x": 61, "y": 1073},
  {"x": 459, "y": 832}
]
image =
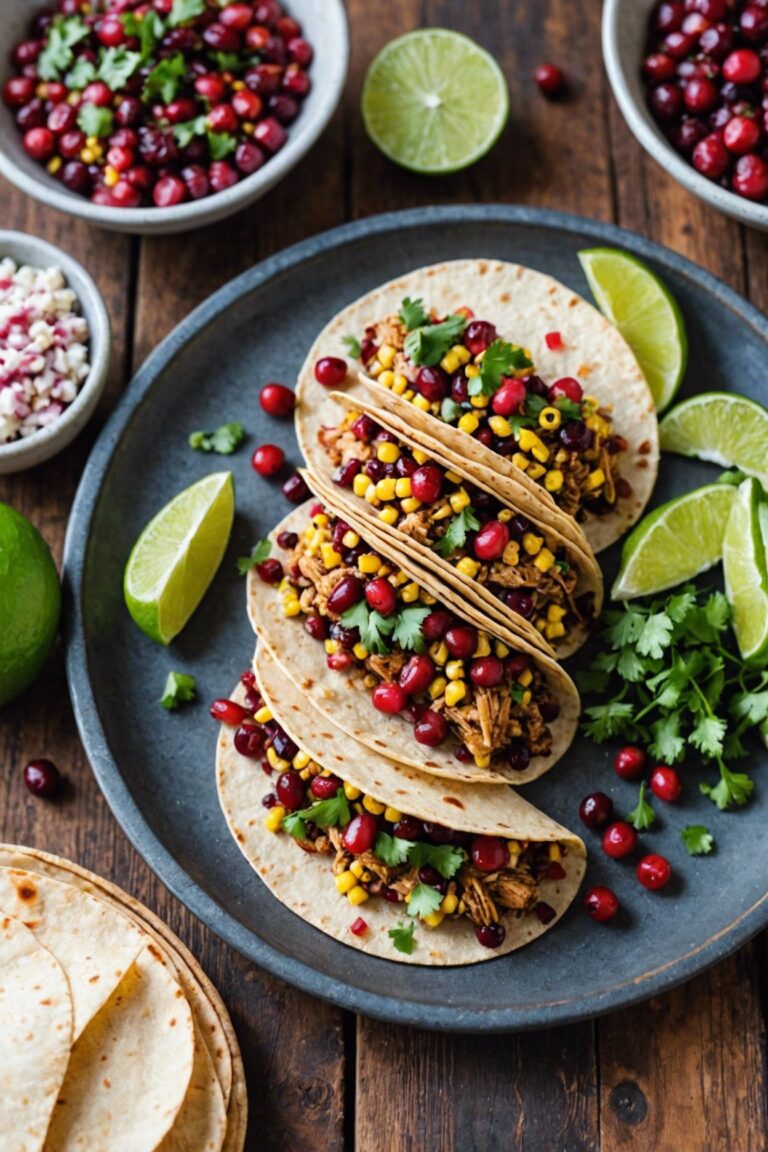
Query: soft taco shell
[
  {"x": 304, "y": 883},
  {"x": 332, "y": 695},
  {"x": 524, "y": 305}
]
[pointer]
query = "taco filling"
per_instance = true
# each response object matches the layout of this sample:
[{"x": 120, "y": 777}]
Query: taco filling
[
  {"x": 375, "y": 850},
  {"x": 470, "y": 529},
  {"x": 416, "y": 658},
  {"x": 458, "y": 369}
]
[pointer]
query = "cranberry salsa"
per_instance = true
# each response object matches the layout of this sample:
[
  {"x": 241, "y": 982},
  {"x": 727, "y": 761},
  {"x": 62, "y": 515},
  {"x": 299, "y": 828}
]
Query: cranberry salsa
[
  {"x": 436, "y": 874},
  {"x": 447, "y": 678},
  {"x": 468, "y": 527},
  {"x": 706, "y": 74},
  {"x": 135, "y": 103},
  {"x": 459, "y": 370}
]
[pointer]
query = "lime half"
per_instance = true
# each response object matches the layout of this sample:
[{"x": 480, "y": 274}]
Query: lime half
[
  {"x": 646, "y": 313},
  {"x": 30, "y": 600},
  {"x": 434, "y": 101},
  {"x": 718, "y": 426},
  {"x": 675, "y": 542},
  {"x": 177, "y": 555},
  {"x": 746, "y": 575}
]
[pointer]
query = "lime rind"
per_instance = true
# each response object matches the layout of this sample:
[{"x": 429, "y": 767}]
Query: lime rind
[
  {"x": 721, "y": 428},
  {"x": 746, "y": 573}
]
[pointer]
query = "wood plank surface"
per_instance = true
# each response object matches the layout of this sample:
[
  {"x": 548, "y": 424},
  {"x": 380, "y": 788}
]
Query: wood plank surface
[{"x": 684, "y": 1073}]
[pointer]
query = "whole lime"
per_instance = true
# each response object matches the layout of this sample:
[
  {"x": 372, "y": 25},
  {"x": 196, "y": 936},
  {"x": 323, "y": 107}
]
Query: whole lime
[{"x": 30, "y": 602}]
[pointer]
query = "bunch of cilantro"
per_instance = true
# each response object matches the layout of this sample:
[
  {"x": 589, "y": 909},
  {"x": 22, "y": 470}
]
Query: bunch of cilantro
[{"x": 671, "y": 679}]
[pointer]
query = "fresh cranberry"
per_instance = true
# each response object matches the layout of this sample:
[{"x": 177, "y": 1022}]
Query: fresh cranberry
[
  {"x": 277, "y": 400},
  {"x": 287, "y": 28},
  {"x": 490, "y": 935},
  {"x": 742, "y": 66},
  {"x": 76, "y": 177},
  {"x": 330, "y": 371},
  {"x": 237, "y": 16},
  {"x": 433, "y": 384},
  {"x": 654, "y": 871},
  {"x": 42, "y": 778},
  {"x": 62, "y": 118},
  {"x": 710, "y": 157},
  {"x": 668, "y": 16},
  {"x": 431, "y": 729},
  {"x": 489, "y": 853},
  {"x": 265, "y": 79},
  {"x": 461, "y": 641},
  {"x": 317, "y": 627},
  {"x": 270, "y": 571},
  {"x": 229, "y": 712},
  {"x": 27, "y": 52},
  {"x": 220, "y": 38},
  {"x": 716, "y": 42},
  {"x": 18, "y": 91},
  {"x": 517, "y": 664},
  {"x": 478, "y": 335},
  {"x": 629, "y": 762},
  {"x": 247, "y": 104},
  {"x": 679, "y": 45},
  {"x": 596, "y": 810},
  {"x": 427, "y": 483},
  {"x": 71, "y": 144},
  {"x": 290, "y": 790},
  {"x": 270, "y": 133},
  {"x": 296, "y": 82},
  {"x": 666, "y": 101},
  {"x": 348, "y": 592},
  {"x": 619, "y": 839},
  {"x": 324, "y": 787},
  {"x": 221, "y": 175},
  {"x": 491, "y": 540},
  {"x": 666, "y": 783},
  {"x": 359, "y": 835},
  {"x": 222, "y": 118},
  {"x": 358, "y": 927},
  {"x": 381, "y": 596},
  {"x": 741, "y": 134},
  {"x": 32, "y": 115},
  {"x": 700, "y": 96},
  {"x": 300, "y": 51},
  {"x": 268, "y": 12},
  {"x": 417, "y": 675},
  {"x": 157, "y": 148},
  {"x": 121, "y": 159},
  {"x": 550, "y": 81},
  {"x": 249, "y": 740},
  {"x": 601, "y": 904},
  {"x": 39, "y": 143},
  {"x": 408, "y": 828},
  {"x": 658, "y": 67},
  {"x": 340, "y": 661},
  {"x": 437, "y": 624},
  {"x": 518, "y": 756},
  {"x": 267, "y": 459},
  {"x": 211, "y": 87},
  {"x": 753, "y": 24},
  {"x": 345, "y": 474},
  {"x": 295, "y": 489},
  {"x": 169, "y": 191},
  {"x": 566, "y": 387},
  {"x": 97, "y": 93},
  {"x": 486, "y": 672},
  {"x": 508, "y": 398},
  {"x": 687, "y": 134},
  {"x": 750, "y": 177},
  {"x": 519, "y": 602},
  {"x": 196, "y": 179}
]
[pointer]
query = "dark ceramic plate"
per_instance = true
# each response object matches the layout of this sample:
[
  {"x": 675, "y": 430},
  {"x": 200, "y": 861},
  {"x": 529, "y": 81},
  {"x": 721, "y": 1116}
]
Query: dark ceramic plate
[{"x": 157, "y": 769}]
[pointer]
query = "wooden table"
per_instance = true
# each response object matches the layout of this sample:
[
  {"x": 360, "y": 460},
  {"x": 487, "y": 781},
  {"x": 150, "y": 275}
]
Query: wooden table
[{"x": 683, "y": 1073}]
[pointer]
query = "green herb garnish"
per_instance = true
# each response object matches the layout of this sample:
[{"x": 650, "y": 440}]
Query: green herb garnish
[
  {"x": 259, "y": 553},
  {"x": 642, "y": 815},
  {"x": 117, "y": 66},
  {"x": 427, "y": 345},
  {"x": 501, "y": 359},
  {"x": 80, "y": 74},
  {"x": 221, "y": 144},
  {"x": 402, "y": 937},
  {"x": 179, "y": 689},
  {"x": 424, "y": 900},
  {"x": 391, "y": 850},
  {"x": 405, "y": 627},
  {"x": 408, "y": 630},
  {"x": 352, "y": 345},
  {"x": 443, "y": 857},
  {"x": 455, "y": 536},
  {"x": 164, "y": 79},
  {"x": 330, "y": 813},
  {"x": 223, "y": 440},
  {"x": 698, "y": 840},
  {"x": 413, "y": 313},
  {"x": 57, "y": 55},
  {"x": 183, "y": 10},
  {"x": 95, "y": 121},
  {"x": 185, "y": 132}
]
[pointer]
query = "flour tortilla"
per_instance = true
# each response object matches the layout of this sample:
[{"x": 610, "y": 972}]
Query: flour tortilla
[
  {"x": 36, "y": 1018},
  {"x": 334, "y": 696},
  {"x": 304, "y": 882},
  {"x": 524, "y": 305}
]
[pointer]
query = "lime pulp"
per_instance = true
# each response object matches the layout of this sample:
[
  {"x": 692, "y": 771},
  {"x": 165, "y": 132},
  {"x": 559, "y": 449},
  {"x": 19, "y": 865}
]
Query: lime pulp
[
  {"x": 722, "y": 427},
  {"x": 746, "y": 573}
]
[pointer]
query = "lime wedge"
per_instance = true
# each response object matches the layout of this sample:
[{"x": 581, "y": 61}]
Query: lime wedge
[
  {"x": 727, "y": 429},
  {"x": 434, "y": 101},
  {"x": 646, "y": 313},
  {"x": 177, "y": 555},
  {"x": 675, "y": 542},
  {"x": 746, "y": 574}
]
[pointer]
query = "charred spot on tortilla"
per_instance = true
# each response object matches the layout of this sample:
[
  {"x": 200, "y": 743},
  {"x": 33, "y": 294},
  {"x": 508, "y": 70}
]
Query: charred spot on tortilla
[
  {"x": 25, "y": 890},
  {"x": 452, "y": 800},
  {"x": 644, "y": 448}
]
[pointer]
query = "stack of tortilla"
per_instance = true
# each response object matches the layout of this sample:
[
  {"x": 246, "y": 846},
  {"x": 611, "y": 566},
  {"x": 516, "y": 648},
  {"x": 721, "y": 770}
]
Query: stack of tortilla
[{"x": 112, "y": 1039}]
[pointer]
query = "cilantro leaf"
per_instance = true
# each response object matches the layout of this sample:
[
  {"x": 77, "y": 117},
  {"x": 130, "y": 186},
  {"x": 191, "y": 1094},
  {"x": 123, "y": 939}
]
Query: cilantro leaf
[
  {"x": 708, "y": 734},
  {"x": 402, "y": 937},
  {"x": 667, "y": 745},
  {"x": 259, "y": 554},
  {"x": 424, "y": 900},
  {"x": 517, "y": 691},
  {"x": 179, "y": 689},
  {"x": 752, "y": 706},
  {"x": 185, "y": 132},
  {"x": 501, "y": 359},
  {"x": 624, "y": 628},
  {"x": 608, "y": 720},
  {"x": 589, "y": 680},
  {"x": 231, "y": 62},
  {"x": 295, "y": 825},
  {"x": 185, "y": 10},
  {"x": 117, "y": 66},
  {"x": 373, "y": 626},
  {"x": 569, "y": 408},
  {"x": 428, "y": 344},
  {"x": 408, "y": 631},
  {"x": 642, "y": 815},
  {"x": 221, "y": 144},
  {"x": 95, "y": 121},
  {"x": 655, "y": 635},
  {"x": 455, "y": 535},
  {"x": 630, "y": 666},
  {"x": 331, "y": 813},
  {"x": 444, "y": 858},
  {"x": 163, "y": 80},
  {"x": 678, "y": 607},
  {"x": 81, "y": 73},
  {"x": 151, "y": 31},
  {"x": 391, "y": 849},
  {"x": 733, "y": 788},
  {"x": 413, "y": 313},
  {"x": 698, "y": 839},
  {"x": 57, "y": 55},
  {"x": 352, "y": 345},
  {"x": 223, "y": 440}
]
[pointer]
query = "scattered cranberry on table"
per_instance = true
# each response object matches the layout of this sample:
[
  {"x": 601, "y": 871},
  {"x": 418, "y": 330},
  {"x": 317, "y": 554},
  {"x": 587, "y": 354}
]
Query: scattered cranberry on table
[
  {"x": 654, "y": 871},
  {"x": 666, "y": 783},
  {"x": 277, "y": 400},
  {"x": 42, "y": 778},
  {"x": 619, "y": 840},
  {"x": 267, "y": 460},
  {"x": 551, "y": 81},
  {"x": 132, "y": 107},
  {"x": 596, "y": 810},
  {"x": 629, "y": 762},
  {"x": 601, "y": 904}
]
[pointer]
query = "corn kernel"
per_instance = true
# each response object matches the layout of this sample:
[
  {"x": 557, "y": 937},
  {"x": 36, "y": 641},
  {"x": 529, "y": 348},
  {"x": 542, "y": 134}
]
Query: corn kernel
[
  {"x": 461, "y": 908},
  {"x": 385, "y": 489},
  {"x": 357, "y": 868},
  {"x": 468, "y": 423},
  {"x": 368, "y": 563},
  {"x": 527, "y": 697},
  {"x": 305, "y": 773},
  {"x": 439, "y": 652},
  {"x": 360, "y": 484},
  {"x": 553, "y": 481},
  {"x": 595, "y": 479},
  {"x": 468, "y": 567},
  {"x": 453, "y": 477},
  {"x": 455, "y": 692},
  {"x": 300, "y": 760},
  {"x": 540, "y": 623},
  {"x": 554, "y": 852},
  {"x": 483, "y": 646},
  {"x": 55, "y": 163},
  {"x": 419, "y": 456},
  {"x": 350, "y": 539},
  {"x": 410, "y": 593},
  {"x": 411, "y": 504},
  {"x": 392, "y": 815},
  {"x": 550, "y": 418},
  {"x": 500, "y": 650},
  {"x": 373, "y": 806},
  {"x": 463, "y": 353},
  {"x": 399, "y": 578},
  {"x": 443, "y": 512},
  {"x": 388, "y": 452},
  {"x": 437, "y": 687},
  {"x": 561, "y": 456},
  {"x": 532, "y": 543},
  {"x": 450, "y": 362},
  {"x": 511, "y": 554},
  {"x": 73, "y": 99},
  {"x": 530, "y": 442},
  {"x": 500, "y": 426},
  {"x": 400, "y": 386},
  {"x": 387, "y": 378},
  {"x": 544, "y": 561},
  {"x": 525, "y": 678},
  {"x": 360, "y": 651},
  {"x": 385, "y": 570},
  {"x": 370, "y": 682},
  {"x": 389, "y": 515},
  {"x": 554, "y": 631},
  {"x": 518, "y": 460},
  {"x": 386, "y": 355},
  {"x": 291, "y": 608},
  {"x": 320, "y": 520},
  {"x": 536, "y": 471},
  {"x": 332, "y": 647},
  {"x": 482, "y": 759},
  {"x": 375, "y": 369},
  {"x": 402, "y": 487},
  {"x": 555, "y": 613},
  {"x": 479, "y": 401},
  {"x": 370, "y": 494},
  {"x": 276, "y": 761},
  {"x": 357, "y": 895},
  {"x": 92, "y": 141},
  {"x": 331, "y": 558},
  {"x": 427, "y": 598},
  {"x": 471, "y": 371},
  {"x": 421, "y": 403},
  {"x": 238, "y": 85},
  {"x": 454, "y": 669},
  {"x": 351, "y": 792},
  {"x": 274, "y": 820},
  {"x": 459, "y": 500},
  {"x": 264, "y": 715},
  {"x": 450, "y": 903},
  {"x": 433, "y": 919},
  {"x": 88, "y": 156}
]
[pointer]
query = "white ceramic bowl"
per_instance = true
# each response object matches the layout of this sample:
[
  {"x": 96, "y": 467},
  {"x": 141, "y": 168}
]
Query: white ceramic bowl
[
  {"x": 625, "y": 24},
  {"x": 325, "y": 26},
  {"x": 46, "y": 442}
]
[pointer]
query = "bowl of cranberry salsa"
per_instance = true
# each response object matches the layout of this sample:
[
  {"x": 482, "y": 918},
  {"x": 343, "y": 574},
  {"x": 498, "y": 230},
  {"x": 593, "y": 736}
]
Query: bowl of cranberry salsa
[
  {"x": 154, "y": 116},
  {"x": 691, "y": 79}
]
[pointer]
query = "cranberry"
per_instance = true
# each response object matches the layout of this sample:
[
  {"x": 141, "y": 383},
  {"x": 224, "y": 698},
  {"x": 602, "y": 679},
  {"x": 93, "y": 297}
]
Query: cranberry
[
  {"x": 741, "y": 134},
  {"x": 461, "y": 641},
  {"x": 576, "y": 436},
  {"x": 121, "y": 159},
  {"x": 317, "y": 627},
  {"x": 381, "y": 596},
  {"x": 247, "y": 104},
  {"x": 601, "y": 904},
  {"x": 76, "y": 177},
  {"x": 666, "y": 101},
  {"x": 657, "y": 67},
  {"x": 300, "y": 51},
  {"x": 296, "y": 82},
  {"x": 629, "y": 762},
  {"x": 669, "y": 16},
  {"x": 270, "y": 571},
  {"x": 364, "y": 428},
  {"x": 196, "y": 180},
  {"x": 742, "y": 66},
  {"x": 290, "y": 790},
  {"x": 666, "y": 783},
  {"x": 222, "y": 118},
  {"x": 39, "y": 143},
  {"x": 97, "y": 93},
  {"x": 264, "y": 79},
  {"x": 348, "y": 592},
  {"x": 686, "y": 135},
  {"x": 408, "y": 828},
  {"x": 268, "y": 12},
  {"x": 700, "y": 95},
  {"x": 509, "y": 396},
  {"x": 489, "y": 853},
  {"x": 491, "y": 540},
  {"x": 431, "y": 729},
  {"x": 359, "y": 835},
  {"x": 478, "y": 335},
  {"x": 490, "y": 935},
  {"x": 62, "y": 118},
  {"x": 277, "y": 400},
  {"x": 287, "y": 28},
  {"x": 267, "y": 460},
  {"x": 596, "y": 810},
  {"x": 750, "y": 177},
  {"x": 295, "y": 489},
  {"x": 710, "y": 157},
  {"x": 518, "y": 756},
  {"x": 460, "y": 387},
  {"x": 374, "y": 469},
  {"x": 566, "y": 387},
  {"x": 486, "y": 672},
  {"x": 249, "y": 740},
  {"x": 324, "y": 787},
  {"x": 211, "y": 87},
  {"x": 169, "y": 191},
  {"x": 654, "y": 871},
  {"x": 26, "y": 52},
  {"x": 220, "y": 38},
  {"x": 358, "y": 927},
  {"x": 679, "y": 45},
  {"x": 545, "y": 914},
  {"x": 427, "y": 483},
  {"x": 717, "y": 42},
  {"x": 229, "y": 712},
  {"x": 270, "y": 133},
  {"x": 429, "y": 875},
  {"x": 330, "y": 371},
  {"x": 619, "y": 839},
  {"x": 517, "y": 664},
  {"x": 753, "y": 24},
  {"x": 221, "y": 175},
  {"x": 273, "y": 50},
  {"x": 550, "y": 81},
  {"x": 42, "y": 778},
  {"x": 345, "y": 474},
  {"x": 519, "y": 602},
  {"x": 18, "y": 91},
  {"x": 236, "y": 16},
  {"x": 433, "y": 384},
  {"x": 156, "y": 148},
  {"x": 417, "y": 675}
]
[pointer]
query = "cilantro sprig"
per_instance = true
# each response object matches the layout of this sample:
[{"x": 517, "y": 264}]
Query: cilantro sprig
[
  {"x": 455, "y": 536},
  {"x": 642, "y": 815},
  {"x": 223, "y": 440},
  {"x": 57, "y": 56},
  {"x": 427, "y": 344},
  {"x": 352, "y": 345},
  {"x": 501, "y": 359},
  {"x": 329, "y": 813},
  {"x": 402, "y": 937},
  {"x": 424, "y": 900},
  {"x": 180, "y": 688},
  {"x": 164, "y": 79},
  {"x": 698, "y": 839},
  {"x": 413, "y": 313},
  {"x": 444, "y": 858},
  {"x": 259, "y": 553},
  {"x": 405, "y": 627}
]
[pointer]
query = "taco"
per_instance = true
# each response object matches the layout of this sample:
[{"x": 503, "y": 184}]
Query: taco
[
  {"x": 564, "y": 414},
  {"x": 360, "y": 629},
  {"x": 393, "y": 862},
  {"x": 512, "y": 566}
]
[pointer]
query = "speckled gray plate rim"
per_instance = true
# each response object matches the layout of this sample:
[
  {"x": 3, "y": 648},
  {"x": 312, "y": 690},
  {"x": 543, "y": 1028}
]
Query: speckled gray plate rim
[{"x": 165, "y": 799}]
